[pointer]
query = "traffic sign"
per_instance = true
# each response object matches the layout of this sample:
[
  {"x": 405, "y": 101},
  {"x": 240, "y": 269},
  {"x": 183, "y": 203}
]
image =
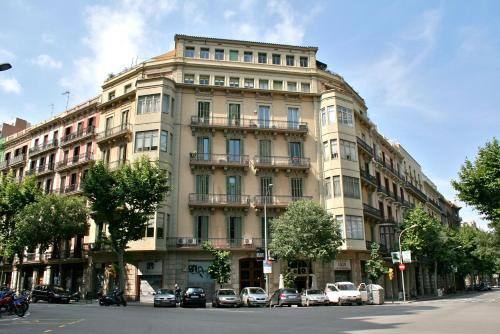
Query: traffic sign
[
  {"x": 402, "y": 267},
  {"x": 267, "y": 267}
]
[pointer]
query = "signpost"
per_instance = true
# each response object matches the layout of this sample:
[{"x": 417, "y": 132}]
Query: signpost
[
  {"x": 402, "y": 266},
  {"x": 267, "y": 267}
]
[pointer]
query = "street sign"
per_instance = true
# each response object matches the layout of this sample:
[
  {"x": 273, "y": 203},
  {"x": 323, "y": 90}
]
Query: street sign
[
  {"x": 406, "y": 256},
  {"x": 267, "y": 267},
  {"x": 402, "y": 266},
  {"x": 395, "y": 257},
  {"x": 259, "y": 254}
]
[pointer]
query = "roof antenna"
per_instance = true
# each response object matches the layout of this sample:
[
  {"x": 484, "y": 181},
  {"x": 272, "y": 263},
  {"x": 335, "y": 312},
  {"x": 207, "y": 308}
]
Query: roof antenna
[
  {"x": 51, "y": 109},
  {"x": 67, "y": 99}
]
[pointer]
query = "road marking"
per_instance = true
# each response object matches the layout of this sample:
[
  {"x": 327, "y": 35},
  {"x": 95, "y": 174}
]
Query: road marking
[
  {"x": 62, "y": 326},
  {"x": 48, "y": 331}
]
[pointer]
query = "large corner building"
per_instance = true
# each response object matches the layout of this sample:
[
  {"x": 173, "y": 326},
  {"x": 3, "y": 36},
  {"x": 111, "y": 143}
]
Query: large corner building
[{"x": 237, "y": 125}]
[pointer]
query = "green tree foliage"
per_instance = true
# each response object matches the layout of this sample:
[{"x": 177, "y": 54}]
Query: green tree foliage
[
  {"x": 220, "y": 269},
  {"x": 478, "y": 251},
  {"x": 375, "y": 267},
  {"x": 478, "y": 183},
  {"x": 124, "y": 201},
  {"x": 305, "y": 232}
]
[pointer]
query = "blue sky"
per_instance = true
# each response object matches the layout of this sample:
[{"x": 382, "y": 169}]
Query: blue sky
[{"x": 428, "y": 70}]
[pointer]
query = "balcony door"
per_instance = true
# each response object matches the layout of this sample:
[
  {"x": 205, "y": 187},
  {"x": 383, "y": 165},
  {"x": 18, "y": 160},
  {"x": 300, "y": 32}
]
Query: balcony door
[
  {"x": 297, "y": 188},
  {"x": 264, "y": 116},
  {"x": 233, "y": 150},
  {"x": 204, "y": 111},
  {"x": 233, "y": 185},
  {"x": 202, "y": 187},
  {"x": 234, "y": 231},
  {"x": 124, "y": 121},
  {"x": 108, "y": 126},
  {"x": 203, "y": 148},
  {"x": 201, "y": 228},
  {"x": 293, "y": 118},
  {"x": 265, "y": 151},
  {"x": 234, "y": 114}
]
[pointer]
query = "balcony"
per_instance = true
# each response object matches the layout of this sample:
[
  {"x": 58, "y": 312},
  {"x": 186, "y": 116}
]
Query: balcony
[
  {"x": 41, "y": 170},
  {"x": 13, "y": 162},
  {"x": 367, "y": 178},
  {"x": 246, "y": 125},
  {"x": 364, "y": 145},
  {"x": 282, "y": 163},
  {"x": 218, "y": 160},
  {"x": 434, "y": 204},
  {"x": 43, "y": 148},
  {"x": 214, "y": 201},
  {"x": 71, "y": 189},
  {"x": 75, "y": 161},
  {"x": 276, "y": 201},
  {"x": 222, "y": 243},
  {"x": 416, "y": 191},
  {"x": 388, "y": 167},
  {"x": 371, "y": 212},
  {"x": 383, "y": 192},
  {"x": 78, "y": 135},
  {"x": 121, "y": 132},
  {"x": 117, "y": 164}
]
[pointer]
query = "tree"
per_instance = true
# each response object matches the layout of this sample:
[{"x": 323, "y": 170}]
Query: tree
[
  {"x": 14, "y": 196},
  {"x": 375, "y": 267},
  {"x": 478, "y": 183},
  {"x": 125, "y": 200},
  {"x": 220, "y": 269},
  {"x": 52, "y": 219},
  {"x": 305, "y": 232},
  {"x": 425, "y": 240}
]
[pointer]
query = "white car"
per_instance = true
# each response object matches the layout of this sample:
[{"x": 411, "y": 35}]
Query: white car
[
  {"x": 313, "y": 297},
  {"x": 253, "y": 296},
  {"x": 343, "y": 293}
]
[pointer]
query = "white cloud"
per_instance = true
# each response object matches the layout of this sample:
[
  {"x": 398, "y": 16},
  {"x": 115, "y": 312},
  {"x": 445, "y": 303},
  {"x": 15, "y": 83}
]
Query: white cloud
[
  {"x": 229, "y": 13},
  {"x": 46, "y": 61},
  {"x": 115, "y": 37},
  {"x": 10, "y": 85},
  {"x": 6, "y": 55},
  {"x": 288, "y": 28}
]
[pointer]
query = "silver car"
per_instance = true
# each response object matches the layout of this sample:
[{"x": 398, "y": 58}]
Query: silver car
[
  {"x": 313, "y": 297},
  {"x": 253, "y": 296},
  {"x": 164, "y": 297},
  {"x": 226, "y": 297}
]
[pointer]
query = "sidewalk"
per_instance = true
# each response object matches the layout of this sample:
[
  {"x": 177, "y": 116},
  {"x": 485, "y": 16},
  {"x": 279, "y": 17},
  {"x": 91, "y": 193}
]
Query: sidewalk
[{"x": 457, "y": 295}]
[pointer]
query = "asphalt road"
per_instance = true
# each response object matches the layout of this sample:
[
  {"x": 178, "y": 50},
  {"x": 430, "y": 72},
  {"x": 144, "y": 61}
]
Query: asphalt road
[{"x": 472, "y": 313}]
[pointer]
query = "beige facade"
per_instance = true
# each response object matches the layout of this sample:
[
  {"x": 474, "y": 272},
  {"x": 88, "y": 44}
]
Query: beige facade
[{"x": 239, "y": 125}]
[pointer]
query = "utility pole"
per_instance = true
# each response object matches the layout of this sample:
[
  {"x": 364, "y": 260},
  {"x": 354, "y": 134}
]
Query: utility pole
[
  {"x": 67, "y": 93},
  {"x": 401, "y": 260},
  {"x": 51, "y": 109}
]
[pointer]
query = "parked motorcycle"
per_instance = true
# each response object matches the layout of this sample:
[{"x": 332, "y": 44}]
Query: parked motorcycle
[
  {"x": 114, "y": 298},
  {"x": 9, "y": 303}
]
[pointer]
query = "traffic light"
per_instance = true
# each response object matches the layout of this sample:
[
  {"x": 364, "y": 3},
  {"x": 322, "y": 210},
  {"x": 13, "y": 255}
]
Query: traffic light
[{"x": 391, "y": 274}]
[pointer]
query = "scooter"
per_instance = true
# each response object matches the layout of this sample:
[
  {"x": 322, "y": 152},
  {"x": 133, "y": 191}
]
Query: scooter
[
  {"x": 114, "y": 298},
  {"x": 9, "y": 303}
]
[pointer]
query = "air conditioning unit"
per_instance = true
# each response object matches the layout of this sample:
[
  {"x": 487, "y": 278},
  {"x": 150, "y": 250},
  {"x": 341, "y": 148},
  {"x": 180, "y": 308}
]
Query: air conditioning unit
[
  {"x": 247, "y": 241},
  {"x": 191, "y": 241},
  {"x": 181, "y": 241}
]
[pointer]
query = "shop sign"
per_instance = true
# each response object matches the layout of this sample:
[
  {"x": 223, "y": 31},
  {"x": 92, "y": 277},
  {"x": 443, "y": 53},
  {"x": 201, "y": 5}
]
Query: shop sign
[{"x": 342, "y": 265}]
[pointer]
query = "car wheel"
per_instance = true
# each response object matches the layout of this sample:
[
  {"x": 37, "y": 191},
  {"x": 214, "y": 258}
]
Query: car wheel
[
  {"x": 307, "y": 303},
  {"x": 34, "y": 299},
  {"x": 154, "y": 305},
  {"x": 50, "y": 300},
  {"x": 248, "y": 303}
]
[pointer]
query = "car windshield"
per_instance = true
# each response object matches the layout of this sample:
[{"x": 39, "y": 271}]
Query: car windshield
[
  {"x": 315, "y": 292},
  {"x": 165, "y": 292},
  {"x": 346, "y": 287},
  {"x": 258, "y": 291},
  {"x": 194, "y": 290},
  {"x": 289, "y": 291},
  {"x": 58, "y": 289},
  {"x": 226, "y": 293}
]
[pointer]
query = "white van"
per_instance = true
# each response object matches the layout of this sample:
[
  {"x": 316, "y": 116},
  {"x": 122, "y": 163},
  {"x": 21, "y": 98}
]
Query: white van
[{"x": 343, "y": 293}]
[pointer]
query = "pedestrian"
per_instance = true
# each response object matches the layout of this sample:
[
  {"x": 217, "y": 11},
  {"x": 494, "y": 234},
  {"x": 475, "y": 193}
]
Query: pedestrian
[{"x": 177, "y": 290}]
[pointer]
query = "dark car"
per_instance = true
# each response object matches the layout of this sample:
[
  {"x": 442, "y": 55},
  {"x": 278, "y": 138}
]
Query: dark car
[
  {"x": 193, "y": 296},
  {"x": 226, "y": 297},
  {"x": 49, "y": 293},
  {"x": 288, "y": 297}
]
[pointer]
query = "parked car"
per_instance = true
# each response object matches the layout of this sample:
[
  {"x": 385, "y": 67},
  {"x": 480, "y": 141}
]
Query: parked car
[
  {"x": 285, "y": 297},
  {"x": 193, "y": 296},
  {"x": 226, "y": 297},
  {"x": 49, "y": 293},
  {"x": 164, "y": 297},
  {"x": 313, "y": 297},
  {"x": 253, "y": 296},
  {"x": 343, "y": 293}
]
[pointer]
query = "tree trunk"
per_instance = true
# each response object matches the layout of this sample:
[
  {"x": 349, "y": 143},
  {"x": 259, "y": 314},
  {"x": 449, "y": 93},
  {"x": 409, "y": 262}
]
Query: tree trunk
[
  {"x": 309, "y": 264},
  {"x": 121, "y": 266},
  {"x": 435, "y": 277},
  {"x": 421, "y": 279},
  {"x": 19, "y": 279}
]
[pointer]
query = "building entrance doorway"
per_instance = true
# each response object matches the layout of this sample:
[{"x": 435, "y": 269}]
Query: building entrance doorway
[{"x": 251, "y": 273}]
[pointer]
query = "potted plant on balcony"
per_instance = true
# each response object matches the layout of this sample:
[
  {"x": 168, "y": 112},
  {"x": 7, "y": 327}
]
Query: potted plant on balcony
[{"x": 193, "y": 154}]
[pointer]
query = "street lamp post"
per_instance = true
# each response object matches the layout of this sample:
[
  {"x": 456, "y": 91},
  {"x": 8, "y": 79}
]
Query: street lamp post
[
  {"x": 401, "y": 259},
  {"x": 266, "y": 193},
  {"x": 5, "y": 66}
]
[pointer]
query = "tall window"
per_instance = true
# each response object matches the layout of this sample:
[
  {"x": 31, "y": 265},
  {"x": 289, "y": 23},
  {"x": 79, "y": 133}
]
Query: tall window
[
  {"x": 146, "y": 141},
  {"x": 326, "y": 151},
  {"x": 189, "y": 52},
  {"x": 348, "y": 150},
  {"x": 219, "y": 81},
  {"x": 290, "y": 60},
  {"x": 264, "y": 116},
  {"x": 249, "y": 83},
  {"x": 234, "y": 82},
  {"x": 164, "y": 141},
  {"x": 204, "y": 53},
  {"x": 148, "y": 103},
  {"x": 277, "y": 84},
  {"x": 265, "y": 189},
  {"x": 203, "y": 148},
  {"x": 351, "y": 186},
  {"x": 122, "y": 154},
  {"x": 276, "y": 59},
  {"x": 233, "y": 150},
  {"x": 354, "y": 227},
  {"x": 323, "y": 116},
  {"x": 189, "y": 78},
  {"x": 124, "y": 120},
  {"x": 160, "y": 225},
  {"x": 263, "y": 84},
  {"x": 265, "y": 150},
  {"x": 166, "y": 104},
  {"x": 345, "y": 116},
  {"x": 108, "y": 126},
  {"x": 234, "y": 230},
  {"x": 233, "y": 55},
  {"x": 262, "y": 58},
  {"x": 305, "y": 87},
  {"x": 331, "y": 114},
  {"x": 334, "y": 150},
  {"x": 201, "y": 228},
  {"x": 293, "y": 117},
  {"x": 248, "y": 57},
  {"x": 202, "y": 184},
  {"x": 233, "y": 187},
  {"x": 234, "y": 114},
  {"x": 336, "y": 187},
  {"x": 328, "y": 187},
  {"x": 304, "y": 62},
  {"x": 204, "y": 111},
  {"x": 291, "y": 86},
  {"x": 295, "y": 149},
  {"x": 219, "y": 54},
  {"x": 204, "y": 80},
  {"x": 297, "y": 188}
]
